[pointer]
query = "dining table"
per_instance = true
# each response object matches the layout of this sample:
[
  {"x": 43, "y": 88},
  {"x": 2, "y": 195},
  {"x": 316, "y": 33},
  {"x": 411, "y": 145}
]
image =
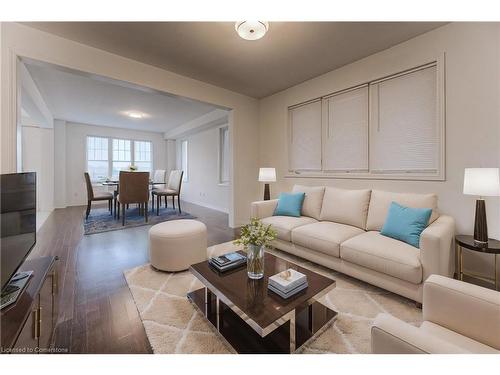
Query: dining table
[{"x": 116, "y": 185}]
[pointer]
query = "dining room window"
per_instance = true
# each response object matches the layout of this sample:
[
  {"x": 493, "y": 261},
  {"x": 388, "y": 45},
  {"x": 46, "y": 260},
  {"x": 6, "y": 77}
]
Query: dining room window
[
  {"x": 106, "y": 157},
  {"x": 143, "y": 156},
  {"x": 97, "y": 158},
  {"x": 122, "y": 156}
]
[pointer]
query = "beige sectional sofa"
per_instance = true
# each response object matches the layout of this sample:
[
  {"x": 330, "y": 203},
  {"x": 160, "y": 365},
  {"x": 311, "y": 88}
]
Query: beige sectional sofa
[
  {"x": 340, "y": 229},
  {"x": 457, "y": 318}
]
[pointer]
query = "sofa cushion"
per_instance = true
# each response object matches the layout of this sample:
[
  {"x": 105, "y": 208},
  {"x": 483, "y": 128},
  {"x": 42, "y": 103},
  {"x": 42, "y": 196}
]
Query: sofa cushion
[
  {"x": 381, "y": 200},
  {"x": 464, "y": 342},
  {"x": 405, "y": 223},
  {"x": 345, "y": 206},
  {"x": 324, "y": 236},
  {"x": 383, "y": 254},
  {"x": 312, "y": 201},
  {"x": 284, "y": 224},
  {"x": 289, "y": 204}
]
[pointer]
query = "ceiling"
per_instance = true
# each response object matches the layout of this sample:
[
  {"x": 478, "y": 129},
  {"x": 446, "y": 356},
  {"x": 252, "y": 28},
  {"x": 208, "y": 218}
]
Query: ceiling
[
  {"x": 79, "y": 97},
  {"x": 290, "y": 53}
]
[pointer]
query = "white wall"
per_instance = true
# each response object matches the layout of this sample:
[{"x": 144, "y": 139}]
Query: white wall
[
  {"x": 76, "y": 163},
  {"x": 36, "y": 143},
  {"x": 472, "y": 116},
  {"x": 60, "y": 163},
  {"x": 203, "y": 186},
  {"x": 21, "y": 40},
  {"x": 38, "y": 156},
  {"x": 32, "y": 101},
  {"x": 171, "y": 155}
]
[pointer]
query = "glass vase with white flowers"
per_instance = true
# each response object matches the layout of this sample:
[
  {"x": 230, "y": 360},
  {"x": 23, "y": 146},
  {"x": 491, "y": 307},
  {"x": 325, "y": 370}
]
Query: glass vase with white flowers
[{"x": 255, "y": 237}]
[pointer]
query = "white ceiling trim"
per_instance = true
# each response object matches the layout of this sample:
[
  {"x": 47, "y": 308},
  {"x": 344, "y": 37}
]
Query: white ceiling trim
[{"x": 214, "y": 118}]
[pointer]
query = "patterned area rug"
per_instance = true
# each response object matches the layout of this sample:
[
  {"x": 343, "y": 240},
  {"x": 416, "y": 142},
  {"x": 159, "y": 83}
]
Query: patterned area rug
[
  {"x": 100, "y": 220},
  {"x": 174, "y": 326}
]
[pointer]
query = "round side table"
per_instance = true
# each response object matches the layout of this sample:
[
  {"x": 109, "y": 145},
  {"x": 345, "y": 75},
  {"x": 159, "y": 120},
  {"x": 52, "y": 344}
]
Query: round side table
[{"x": 491, "y": 247}]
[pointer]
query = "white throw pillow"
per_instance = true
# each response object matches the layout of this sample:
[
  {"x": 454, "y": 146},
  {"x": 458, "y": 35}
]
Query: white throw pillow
[
  {"x": 313, "y": 199},
  {"x": 345, "y": 206},
  {"x": 381, "y": 200}
]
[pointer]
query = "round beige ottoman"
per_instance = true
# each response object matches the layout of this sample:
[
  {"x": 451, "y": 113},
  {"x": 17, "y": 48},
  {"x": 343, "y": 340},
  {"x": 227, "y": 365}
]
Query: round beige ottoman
[{"x": 175, "y": 245}]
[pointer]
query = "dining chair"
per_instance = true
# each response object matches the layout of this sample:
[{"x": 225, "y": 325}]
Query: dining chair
[
  {"x": 158, "y": 179},
  {"x": 134, "y": 188},
  {"x": 173, "y": 190},
  {"x": 94, "y": 197},
  {"x": 159, "y": 176}
]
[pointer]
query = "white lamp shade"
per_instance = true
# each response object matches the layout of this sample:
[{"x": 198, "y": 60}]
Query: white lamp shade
[
  {"x": 482, "y": 181},
  {"x": 267, "y": 175}
]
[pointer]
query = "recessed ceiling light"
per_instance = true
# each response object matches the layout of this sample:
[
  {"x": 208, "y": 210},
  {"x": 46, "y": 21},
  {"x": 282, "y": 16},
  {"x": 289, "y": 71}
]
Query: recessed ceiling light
[{"x": 251, "y": 30}]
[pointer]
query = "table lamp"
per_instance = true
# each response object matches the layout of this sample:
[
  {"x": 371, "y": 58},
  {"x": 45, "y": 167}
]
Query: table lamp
[
  {"x": 484, "y": 182},
  {"x": 267, "y": 175}
]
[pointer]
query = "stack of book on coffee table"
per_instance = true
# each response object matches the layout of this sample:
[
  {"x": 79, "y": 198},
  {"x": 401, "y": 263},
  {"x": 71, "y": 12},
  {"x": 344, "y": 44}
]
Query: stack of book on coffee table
[
  {"x": 287, "y": 283},
  {"x": 228, "y": 261}
]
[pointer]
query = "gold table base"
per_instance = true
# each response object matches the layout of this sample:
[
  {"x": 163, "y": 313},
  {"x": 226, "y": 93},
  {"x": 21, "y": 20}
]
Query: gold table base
[{"x": 461, "y": 273}]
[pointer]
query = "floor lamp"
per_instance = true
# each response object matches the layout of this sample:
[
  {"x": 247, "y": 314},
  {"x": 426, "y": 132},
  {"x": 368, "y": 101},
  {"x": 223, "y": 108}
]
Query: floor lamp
[{"x": 267, "y": 175}]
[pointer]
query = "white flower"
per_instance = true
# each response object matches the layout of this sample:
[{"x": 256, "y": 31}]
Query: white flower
[{"x": 256, "y": 233}]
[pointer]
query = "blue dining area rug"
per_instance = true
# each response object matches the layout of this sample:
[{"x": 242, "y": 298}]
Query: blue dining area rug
[{"x": 100, "y": 220}]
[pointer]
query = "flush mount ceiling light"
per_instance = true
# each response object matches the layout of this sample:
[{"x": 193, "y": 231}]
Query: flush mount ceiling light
[
  {"x": 135, "y": 114},
  {"x": 251, "y": 30}
]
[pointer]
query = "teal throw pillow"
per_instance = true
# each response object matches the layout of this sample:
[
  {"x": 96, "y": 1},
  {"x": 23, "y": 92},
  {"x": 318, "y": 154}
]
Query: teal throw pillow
[
  {"x": 289, "y": 204},
  {"x": 406, "y": 223}
]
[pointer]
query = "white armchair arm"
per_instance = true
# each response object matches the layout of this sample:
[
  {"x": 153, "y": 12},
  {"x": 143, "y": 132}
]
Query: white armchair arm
[
  {"x": 262, "y": 209},
  {"x": 390, "y": 335},
  {"x": 436, "y": 247},
  {"x": 468, "y": 309}
]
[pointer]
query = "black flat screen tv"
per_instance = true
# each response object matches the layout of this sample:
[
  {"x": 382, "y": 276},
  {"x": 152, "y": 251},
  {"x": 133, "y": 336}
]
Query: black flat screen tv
[{"x": 17, "y": 221}]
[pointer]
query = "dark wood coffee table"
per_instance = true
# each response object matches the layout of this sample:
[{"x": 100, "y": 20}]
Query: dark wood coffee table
[{"x": 255, "y": 320}]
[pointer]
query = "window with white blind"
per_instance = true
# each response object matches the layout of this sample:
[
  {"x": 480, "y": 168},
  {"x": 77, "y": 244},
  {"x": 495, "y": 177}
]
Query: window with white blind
[
  {"x": 345, "y": 138},
  {"x": 143, "y": 156},
  {"x": 390, "y": 128},
  {"x": 97, "y": 158},
  {"x": 404, "y": 127},
  {"x": 224, "y": 155},
  {"x": 305, "y": 137}
]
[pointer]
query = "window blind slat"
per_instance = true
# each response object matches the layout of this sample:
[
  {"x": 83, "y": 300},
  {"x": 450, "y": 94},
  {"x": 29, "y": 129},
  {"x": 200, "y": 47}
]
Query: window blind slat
[
  {"x": 345, "y": 146},
  {"x": 405, "y": 135},
  {"x": 305, "y": 137}
]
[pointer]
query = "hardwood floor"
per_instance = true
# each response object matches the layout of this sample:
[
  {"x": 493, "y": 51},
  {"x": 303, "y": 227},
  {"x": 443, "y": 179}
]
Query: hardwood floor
[{"x": 96, "y": 311}]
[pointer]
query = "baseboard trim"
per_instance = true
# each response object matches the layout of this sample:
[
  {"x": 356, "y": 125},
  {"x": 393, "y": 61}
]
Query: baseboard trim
[{"x": 203, "y": 204}]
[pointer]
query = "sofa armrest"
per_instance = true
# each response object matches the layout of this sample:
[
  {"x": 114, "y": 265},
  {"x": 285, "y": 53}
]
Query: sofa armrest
[
  {"x": 390, "y": 335},
  {"x": 467, "y": 309},
  {"x": 436, "y": 247},
  {"x": 262, "y": 209}
]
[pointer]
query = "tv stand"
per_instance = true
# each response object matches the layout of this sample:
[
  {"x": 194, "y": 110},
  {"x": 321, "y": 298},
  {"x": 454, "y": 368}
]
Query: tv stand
[
  {"x": 15, "y": 287},
  {"x": 27, "y": 324}
]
